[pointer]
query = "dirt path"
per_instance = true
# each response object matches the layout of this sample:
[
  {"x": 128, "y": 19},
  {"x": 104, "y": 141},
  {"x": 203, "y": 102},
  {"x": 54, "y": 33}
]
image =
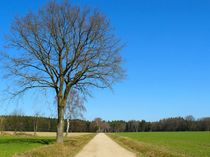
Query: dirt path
[{"x": 102, "y": 146}]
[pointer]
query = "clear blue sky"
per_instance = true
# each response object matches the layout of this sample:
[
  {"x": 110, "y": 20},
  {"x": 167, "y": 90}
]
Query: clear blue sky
[{"x": 167, "y": 57}]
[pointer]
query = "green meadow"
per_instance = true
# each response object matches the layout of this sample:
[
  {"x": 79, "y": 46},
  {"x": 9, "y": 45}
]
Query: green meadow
[
  {"x": 10, "y": 145},
  {"x": 164, "y": 144}
]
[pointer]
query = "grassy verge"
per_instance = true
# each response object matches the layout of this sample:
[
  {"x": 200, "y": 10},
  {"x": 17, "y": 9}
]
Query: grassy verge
[
  {"x": 70, "y": 148},
  {"x": 142, "y": 149},
  {"x": 166, "y": 144}
]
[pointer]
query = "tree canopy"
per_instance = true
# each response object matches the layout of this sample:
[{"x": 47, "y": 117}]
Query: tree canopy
[{"x": 63, "y": 47}]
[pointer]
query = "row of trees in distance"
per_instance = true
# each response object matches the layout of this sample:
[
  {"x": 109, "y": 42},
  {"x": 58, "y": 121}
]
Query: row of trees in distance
[{"x": 18, "y": 123}]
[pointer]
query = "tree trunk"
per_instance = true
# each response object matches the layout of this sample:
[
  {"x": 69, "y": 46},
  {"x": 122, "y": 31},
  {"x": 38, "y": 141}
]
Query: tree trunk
[
  {"x": 35, "y": 128},
  {"x": 60, "y": 124},
  {"x": 67, "y": 127}
]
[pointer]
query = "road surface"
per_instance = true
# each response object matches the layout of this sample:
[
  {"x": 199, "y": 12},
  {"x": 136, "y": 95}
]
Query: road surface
[{"x": 102, "y": 146}]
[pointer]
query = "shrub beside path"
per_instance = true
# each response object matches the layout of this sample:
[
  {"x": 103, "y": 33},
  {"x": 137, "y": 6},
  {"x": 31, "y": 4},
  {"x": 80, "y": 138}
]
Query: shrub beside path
[{"x": 102, "y": 146}]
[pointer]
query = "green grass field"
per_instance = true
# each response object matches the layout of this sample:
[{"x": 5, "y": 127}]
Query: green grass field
[
  {"x": 186, "y": 144},
  {"x": 10, "y": 145}
]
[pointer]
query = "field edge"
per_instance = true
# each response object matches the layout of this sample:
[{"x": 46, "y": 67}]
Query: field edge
[
  {"x": 70, "y": 148},
  {"x": 141, "y": 149}
]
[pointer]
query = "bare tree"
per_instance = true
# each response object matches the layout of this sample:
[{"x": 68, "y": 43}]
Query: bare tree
[
  {"x": 102, "y": 126},
  {"x": 106, "y": 127},
  {"x": 133, "y": 125},
  {"x": 63, "y": 47},
  {"x": 2, "y": 124},
  {"x": 36, "y": 117},
  {"x": 74, "y": 108},
  {"x": 99, "y": 124},
  {"x": 17, "y": 122}
]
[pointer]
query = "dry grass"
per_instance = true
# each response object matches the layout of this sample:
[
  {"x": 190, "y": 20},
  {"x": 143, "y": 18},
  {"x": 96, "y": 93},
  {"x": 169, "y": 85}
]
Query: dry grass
[
  {"x": 142, "y": 149},
  {"x": 70, "y": 148}
]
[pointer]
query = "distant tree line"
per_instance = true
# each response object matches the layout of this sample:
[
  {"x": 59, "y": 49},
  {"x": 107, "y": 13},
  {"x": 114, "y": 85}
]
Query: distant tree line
[
  {"x": 41, "y": 124},
  {"x": 169, "y": 124},
  {"x": 19, "y": 123}
]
